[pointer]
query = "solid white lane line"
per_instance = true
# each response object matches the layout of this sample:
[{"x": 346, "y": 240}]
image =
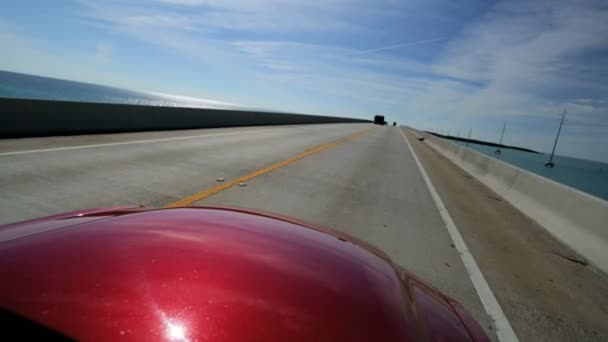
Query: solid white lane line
[
  {"x": 503, "y": 330},
  {"x": 136, "y": 142}
]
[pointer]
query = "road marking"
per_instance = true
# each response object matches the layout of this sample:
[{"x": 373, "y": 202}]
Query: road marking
[
  {"x": 137, "y": 142},
  {"x": 227, "y": 185},
  {"x": 503, "y": 330}
]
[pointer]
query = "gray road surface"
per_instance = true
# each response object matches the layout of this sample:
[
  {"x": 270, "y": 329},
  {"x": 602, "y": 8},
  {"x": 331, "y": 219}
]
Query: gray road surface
[
  {"x": 369, "y": 186},
  {"x": 163, "y": 168}
]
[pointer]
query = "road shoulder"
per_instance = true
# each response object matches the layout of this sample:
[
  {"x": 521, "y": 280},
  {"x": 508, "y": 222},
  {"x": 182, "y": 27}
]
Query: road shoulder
[{"x": 545, "y": 295}]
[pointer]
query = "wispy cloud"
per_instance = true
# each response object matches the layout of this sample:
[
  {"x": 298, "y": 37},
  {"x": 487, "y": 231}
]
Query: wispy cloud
[
  {"x": 103, "y": 52},
  {"x": 256, "y": 15},
  {"x": 502, "y": 64},
  {"x": 467, "y": 64},
  {"x": 398, "y": 46},
  {"x": 32, "y": 56},
  {"x": 534, "y": 59}
]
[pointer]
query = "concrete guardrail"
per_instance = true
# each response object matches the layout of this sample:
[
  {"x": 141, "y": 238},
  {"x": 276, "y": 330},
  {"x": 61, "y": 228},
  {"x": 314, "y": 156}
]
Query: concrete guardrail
[
  {"x": 576, "y": 218},
  {"x": 26, "y": 118}
]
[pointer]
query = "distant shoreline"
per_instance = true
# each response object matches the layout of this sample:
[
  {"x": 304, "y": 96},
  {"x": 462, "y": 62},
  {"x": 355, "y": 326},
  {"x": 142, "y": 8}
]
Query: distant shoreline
[{"x": 481, "y": 142}]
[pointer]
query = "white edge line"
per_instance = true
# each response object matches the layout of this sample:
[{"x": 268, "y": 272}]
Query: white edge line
[
  {"x": 503, "y": 330},
  {"x": 135, "y": 142}
]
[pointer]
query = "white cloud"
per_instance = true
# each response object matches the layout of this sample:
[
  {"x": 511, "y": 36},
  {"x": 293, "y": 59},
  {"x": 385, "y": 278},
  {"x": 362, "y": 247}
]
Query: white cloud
[
  {"x": 240, "y": 15},
  {"x": 185, "y": 2},
  {"x": 333, "y": 71},
  {"x": 519, "y": 61},
  {"x": 523, "y": 48},
  {"x": 397, "y": 46},
  {"x": 103, "y": 52},
  {"x": 525, "y": 59},
  {"x": 21, "y": 55}
]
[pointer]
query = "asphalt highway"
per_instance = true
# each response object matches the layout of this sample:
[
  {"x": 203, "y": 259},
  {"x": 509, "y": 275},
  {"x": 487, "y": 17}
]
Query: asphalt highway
[{"x": 376, "y": 183}]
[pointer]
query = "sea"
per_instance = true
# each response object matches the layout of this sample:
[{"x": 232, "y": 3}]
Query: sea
[
  {"x": 16, "y": 85},
  {"x": 585, "y": 175},
  {"x": 588, "y": 176}
]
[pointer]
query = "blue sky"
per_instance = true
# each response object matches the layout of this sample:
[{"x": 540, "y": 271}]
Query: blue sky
[{"x": 432, "y": 64}]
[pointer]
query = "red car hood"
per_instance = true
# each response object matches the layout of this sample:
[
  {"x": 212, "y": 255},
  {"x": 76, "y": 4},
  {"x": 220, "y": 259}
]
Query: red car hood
[{"x": 216, "y": 274}]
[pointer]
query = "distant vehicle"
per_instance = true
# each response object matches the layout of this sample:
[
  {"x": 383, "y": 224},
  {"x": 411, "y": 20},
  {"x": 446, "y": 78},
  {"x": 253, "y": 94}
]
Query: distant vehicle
[
  {"x": 188, "y": 274},
  {"x": 394, "y": 123},
  {"x": 379, "y": 120}
]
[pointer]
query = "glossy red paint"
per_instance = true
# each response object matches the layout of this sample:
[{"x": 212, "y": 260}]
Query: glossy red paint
[{"x": 216, "y": 274}]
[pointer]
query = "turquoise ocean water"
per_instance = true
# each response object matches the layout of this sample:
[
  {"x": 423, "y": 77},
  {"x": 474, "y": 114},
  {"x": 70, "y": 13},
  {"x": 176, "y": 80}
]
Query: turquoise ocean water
[{"x": 585, "y": 175}]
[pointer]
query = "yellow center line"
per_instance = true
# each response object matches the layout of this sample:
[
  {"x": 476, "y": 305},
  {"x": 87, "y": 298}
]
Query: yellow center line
[{"x": 227, "y": 185}]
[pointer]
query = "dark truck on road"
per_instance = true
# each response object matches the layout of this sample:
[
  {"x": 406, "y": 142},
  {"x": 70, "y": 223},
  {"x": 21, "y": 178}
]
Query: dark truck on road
[{"x": 379, "y": 120}]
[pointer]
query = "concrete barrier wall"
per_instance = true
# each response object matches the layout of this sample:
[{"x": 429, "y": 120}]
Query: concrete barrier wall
[
  {"x": 574, "y": 217},
  {"x": 24, "y": 118}
]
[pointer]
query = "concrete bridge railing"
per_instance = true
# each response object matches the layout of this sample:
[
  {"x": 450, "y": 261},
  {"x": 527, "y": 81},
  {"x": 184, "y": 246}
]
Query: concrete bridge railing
[
  {"x": 576, "y": 218},
  {"x": 26, "y": 118}
]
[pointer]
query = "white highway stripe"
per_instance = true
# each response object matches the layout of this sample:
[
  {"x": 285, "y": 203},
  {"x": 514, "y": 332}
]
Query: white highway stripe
[
  {"x": 503, "y": 331},
  {"x": 136, "y": 142}
]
